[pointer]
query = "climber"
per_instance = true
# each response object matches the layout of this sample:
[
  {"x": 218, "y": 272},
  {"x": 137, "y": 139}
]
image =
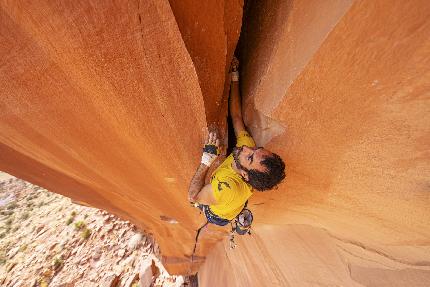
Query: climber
[{"x": 248, "y": 168}]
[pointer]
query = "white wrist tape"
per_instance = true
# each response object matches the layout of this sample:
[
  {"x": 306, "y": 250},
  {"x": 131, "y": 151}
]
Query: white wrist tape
[
  {"x": 208, "y": 158},
  {"x": 235, "y": 76}
]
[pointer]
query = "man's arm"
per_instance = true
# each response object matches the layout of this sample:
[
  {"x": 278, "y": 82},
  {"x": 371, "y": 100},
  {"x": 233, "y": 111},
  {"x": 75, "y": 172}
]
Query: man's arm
[
  {"x": 235, "y": 99},
  {"x": 205, "y": 195},
  {"x": 196, "y": 191},
  {"x": 197, "y": 182}
]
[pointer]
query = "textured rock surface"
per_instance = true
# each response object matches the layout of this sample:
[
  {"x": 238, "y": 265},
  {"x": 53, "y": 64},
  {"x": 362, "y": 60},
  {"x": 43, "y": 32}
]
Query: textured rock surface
[
  {"x": 210, "y": 30},
  {"x": 106, "y": 103},
  {"x": 40, "y": 242},
  {"x": 345, "y": 100},
  {"x": 101, "y": 102}
]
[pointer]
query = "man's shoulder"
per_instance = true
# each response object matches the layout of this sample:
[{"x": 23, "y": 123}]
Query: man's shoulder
[
  {"x": 244, "y": 138},
  {"x": 225, "y": 172}
]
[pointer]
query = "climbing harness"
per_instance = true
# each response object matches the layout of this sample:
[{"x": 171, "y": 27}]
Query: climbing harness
[
  {"x": 241, "y": 224},
  {"x": 212, "y": 217}
]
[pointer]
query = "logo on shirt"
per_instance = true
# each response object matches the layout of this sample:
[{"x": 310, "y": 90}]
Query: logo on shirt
[{"x": 221, "y": 183}]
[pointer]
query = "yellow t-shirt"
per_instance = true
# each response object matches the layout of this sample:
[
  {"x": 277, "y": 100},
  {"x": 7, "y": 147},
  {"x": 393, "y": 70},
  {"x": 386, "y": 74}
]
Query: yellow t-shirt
[{"x": 229, "y": 189}]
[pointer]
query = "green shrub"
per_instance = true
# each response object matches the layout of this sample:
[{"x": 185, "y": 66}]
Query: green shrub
[
  {"x": 43, "y": 283},
  {"x": 69, "y": 220},
  {"x": 25, "y": 216},
  {"x": 40, "y": 204},
  {"x": 9, "y": 221},
  {"x": 73, "y": 214},
  {"x": 7, "y": 212},
  {"x": 79, "y": 225},
  {"x": 86, "y": 233},
  {"x": 2, "y": 257},
  {"x": 11, "y": 206},
  {"x": 57, "y": 263}
]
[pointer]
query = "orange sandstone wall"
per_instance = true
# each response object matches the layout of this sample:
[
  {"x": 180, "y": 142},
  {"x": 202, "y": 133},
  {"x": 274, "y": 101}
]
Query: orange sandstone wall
[
  {"x": 341, "y": 90},
  {"x": 107, "y": 103},
  {"x": 101, "y": 101},
  {"x": 210, "y": 30}
]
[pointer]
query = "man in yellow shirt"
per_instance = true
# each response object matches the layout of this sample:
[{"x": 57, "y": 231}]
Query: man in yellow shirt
[{"x": 246, "y": 169}]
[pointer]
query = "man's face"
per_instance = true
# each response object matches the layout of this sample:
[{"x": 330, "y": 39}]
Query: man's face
[{"x": 247, "y": 158}]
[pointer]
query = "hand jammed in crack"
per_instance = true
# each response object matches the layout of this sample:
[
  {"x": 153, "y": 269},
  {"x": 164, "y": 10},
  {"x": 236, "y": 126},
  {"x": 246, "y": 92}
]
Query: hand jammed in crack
[
  {"x": 234, "y": 70},
  {"x": 211, "y": 149}
]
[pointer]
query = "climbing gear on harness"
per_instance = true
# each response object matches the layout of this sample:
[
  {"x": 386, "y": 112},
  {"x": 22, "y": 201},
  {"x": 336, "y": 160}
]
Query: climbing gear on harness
[
  {"x": 243, "y": 222},
  {"x": 241, "y": 225},
  {"x": 231, "y": 241}
]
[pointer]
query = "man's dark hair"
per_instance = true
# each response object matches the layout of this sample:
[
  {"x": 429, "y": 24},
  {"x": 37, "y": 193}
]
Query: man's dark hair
[{"x": 274, "y": 174}]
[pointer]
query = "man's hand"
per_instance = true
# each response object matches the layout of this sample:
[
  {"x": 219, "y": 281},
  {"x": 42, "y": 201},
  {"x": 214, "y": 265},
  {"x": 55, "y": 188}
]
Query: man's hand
[
  {"x": 210, "y": 153},
  {"x": 211, "y": 149}
]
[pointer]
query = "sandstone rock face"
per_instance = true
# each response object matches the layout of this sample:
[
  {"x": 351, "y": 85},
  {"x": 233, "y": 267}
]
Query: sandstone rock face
[
  {"x": 210, "y": 30},
  {"x": 340, "y": 89},
  {"x": 106, "y": 103},
  {"x": 101, "y": 102}
]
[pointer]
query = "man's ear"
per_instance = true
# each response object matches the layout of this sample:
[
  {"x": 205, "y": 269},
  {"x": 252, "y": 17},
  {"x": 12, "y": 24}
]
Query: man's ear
[{"x": 244, "y": 174}]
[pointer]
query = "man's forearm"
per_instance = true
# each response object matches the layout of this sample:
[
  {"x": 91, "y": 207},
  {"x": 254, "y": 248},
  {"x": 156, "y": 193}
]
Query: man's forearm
[
  {"x": 236, "y": 108},
  {"x": 235, "y": 101},
  {"x": 197, "y": 182}
]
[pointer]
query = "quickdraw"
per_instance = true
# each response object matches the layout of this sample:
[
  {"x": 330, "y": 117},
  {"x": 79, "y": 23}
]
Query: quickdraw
[{"x": 241, "y": 225}]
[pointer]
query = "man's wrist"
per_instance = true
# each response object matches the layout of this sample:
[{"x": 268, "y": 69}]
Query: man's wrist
[
  {"x": 208, "y": 159},
  {"x": 210, "y": 153},
  {"x": 234, "y": 76},
  {"x": 203, "y": 168}
]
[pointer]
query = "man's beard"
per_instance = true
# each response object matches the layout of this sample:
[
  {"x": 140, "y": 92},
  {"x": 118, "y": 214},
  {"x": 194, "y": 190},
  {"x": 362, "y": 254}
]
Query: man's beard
[{"x": 236, "y": 152}]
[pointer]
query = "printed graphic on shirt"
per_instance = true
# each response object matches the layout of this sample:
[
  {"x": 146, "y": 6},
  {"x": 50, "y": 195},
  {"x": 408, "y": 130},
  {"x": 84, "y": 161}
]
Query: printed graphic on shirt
[{"x": 221, "y": 183}]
